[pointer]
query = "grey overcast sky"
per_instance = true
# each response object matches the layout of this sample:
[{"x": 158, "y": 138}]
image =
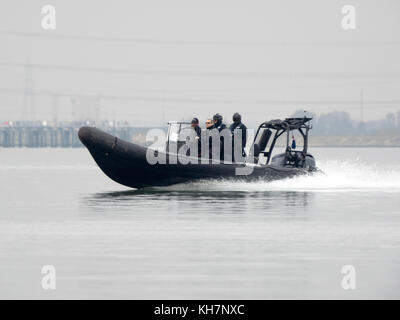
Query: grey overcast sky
[{"x": 156, "y": 60}]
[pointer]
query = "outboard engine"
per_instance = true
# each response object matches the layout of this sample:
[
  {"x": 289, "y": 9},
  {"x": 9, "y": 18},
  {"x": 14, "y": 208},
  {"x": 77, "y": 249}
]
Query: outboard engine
[
  {"x": 309, "y": 163},
  {"x": 296, "y": 160}
]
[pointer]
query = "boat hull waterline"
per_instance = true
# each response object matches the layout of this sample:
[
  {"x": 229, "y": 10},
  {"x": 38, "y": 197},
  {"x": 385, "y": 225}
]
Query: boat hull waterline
[{"x": 126, "y": 163}]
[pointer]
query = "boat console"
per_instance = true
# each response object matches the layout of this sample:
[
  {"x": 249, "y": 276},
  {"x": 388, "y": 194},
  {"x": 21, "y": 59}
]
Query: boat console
[{"x": 265, "y": 141}]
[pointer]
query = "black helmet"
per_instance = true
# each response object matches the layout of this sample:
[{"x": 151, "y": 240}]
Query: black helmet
[
  {"x": 217, "y": 117},
  {"x": 237, "y": 117},
  {"x": 195, "y": 121}
]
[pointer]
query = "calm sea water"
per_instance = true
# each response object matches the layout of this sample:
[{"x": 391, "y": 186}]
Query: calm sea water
[{"x": 214, "y": 240}]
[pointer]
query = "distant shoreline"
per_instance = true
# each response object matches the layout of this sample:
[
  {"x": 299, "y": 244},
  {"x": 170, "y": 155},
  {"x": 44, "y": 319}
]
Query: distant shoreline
[{"x": 67, "y": 137}]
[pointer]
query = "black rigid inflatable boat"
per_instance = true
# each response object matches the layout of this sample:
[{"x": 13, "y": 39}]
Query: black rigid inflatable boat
[{"x": 127, "y": 164}]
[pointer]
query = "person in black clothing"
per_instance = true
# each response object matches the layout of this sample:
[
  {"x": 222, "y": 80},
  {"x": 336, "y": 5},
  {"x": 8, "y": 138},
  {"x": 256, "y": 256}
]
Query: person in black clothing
[
  {"x": 219, "y": 125},
  {"x": 238, "y": 125},
  {"x": 197, "y": 129},
  {"x": 209, "y": 124},
  {"x": 209, "y": 128}
]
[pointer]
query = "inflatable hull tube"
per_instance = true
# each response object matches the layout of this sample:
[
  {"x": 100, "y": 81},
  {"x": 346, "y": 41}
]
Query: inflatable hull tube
[{"x": 126, "y": 163}]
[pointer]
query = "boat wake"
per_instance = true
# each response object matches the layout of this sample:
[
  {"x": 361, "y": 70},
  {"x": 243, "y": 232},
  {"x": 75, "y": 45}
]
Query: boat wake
[{"x": 337, "y": 176}]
